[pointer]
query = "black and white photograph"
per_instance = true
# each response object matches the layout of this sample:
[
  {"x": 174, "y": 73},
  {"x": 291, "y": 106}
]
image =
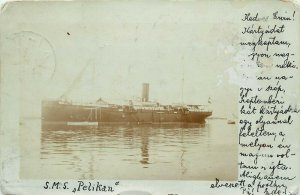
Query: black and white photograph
[{"x": 124, "y": 90}]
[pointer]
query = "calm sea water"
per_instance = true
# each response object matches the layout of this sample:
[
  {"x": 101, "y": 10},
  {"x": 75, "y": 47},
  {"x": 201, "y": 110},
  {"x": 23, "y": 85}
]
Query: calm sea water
[{"x": 173, "y": 152}]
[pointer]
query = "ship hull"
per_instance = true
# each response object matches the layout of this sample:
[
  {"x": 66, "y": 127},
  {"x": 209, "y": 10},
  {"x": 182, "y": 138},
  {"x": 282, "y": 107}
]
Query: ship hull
[{"x": 53, "y": 112}]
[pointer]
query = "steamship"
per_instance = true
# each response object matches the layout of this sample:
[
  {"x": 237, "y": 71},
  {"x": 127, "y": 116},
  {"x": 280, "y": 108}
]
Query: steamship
[{"x": 134, "y": 112}]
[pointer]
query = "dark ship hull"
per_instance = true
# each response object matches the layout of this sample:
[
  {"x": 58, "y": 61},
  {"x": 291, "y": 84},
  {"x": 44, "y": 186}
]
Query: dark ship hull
[
  {"x": 64, "y": 112},
  {"x": 141, "y": 112}
]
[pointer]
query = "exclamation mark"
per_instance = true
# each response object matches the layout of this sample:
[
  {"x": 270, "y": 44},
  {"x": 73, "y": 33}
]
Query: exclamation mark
[{"x": 294, "y": 15}]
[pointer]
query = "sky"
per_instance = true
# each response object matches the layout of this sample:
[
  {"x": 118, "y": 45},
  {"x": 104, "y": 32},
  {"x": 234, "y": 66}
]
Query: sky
[{"x": 182, "y": 50}]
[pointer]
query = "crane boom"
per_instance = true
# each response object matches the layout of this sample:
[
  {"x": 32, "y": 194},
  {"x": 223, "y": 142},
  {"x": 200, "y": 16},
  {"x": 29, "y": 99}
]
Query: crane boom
[{"x": 74, "y": 83}]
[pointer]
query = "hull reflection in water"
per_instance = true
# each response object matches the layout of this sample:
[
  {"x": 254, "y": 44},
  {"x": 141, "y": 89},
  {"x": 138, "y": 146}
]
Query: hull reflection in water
[{"x": 173, "y": 151}]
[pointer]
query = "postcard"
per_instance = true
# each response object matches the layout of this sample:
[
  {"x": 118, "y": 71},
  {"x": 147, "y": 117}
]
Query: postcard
[{"x": 150, "y": 97}]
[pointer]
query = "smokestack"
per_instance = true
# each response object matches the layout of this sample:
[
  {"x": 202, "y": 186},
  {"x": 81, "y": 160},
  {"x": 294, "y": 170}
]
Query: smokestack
[{"x": 145, "y": 92}]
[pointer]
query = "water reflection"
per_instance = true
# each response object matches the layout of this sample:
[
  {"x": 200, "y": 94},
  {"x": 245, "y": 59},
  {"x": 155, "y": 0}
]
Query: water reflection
[
  {"x": 144, "y": 148},
  {"x": 138, "y": 152}
]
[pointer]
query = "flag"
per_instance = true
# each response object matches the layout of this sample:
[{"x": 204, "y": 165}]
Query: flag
[{"x": 209, "y": 100}]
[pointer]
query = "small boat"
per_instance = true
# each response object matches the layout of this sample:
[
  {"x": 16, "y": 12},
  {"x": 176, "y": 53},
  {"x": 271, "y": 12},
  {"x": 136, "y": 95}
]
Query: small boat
[{"x": 231, "y": 122}]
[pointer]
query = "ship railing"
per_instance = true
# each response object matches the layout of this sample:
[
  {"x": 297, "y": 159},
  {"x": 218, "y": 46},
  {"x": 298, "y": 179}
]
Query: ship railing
[
  {"x": 198, "y": 108},
  {"x": 172, "y": 108},
  {"x": 148, "y": 108},
  {"x": 78, "y": 103}
]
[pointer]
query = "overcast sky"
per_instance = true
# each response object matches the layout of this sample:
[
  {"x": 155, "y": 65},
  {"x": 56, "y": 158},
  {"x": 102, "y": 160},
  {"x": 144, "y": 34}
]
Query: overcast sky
[{"x": 123, "y": 45}]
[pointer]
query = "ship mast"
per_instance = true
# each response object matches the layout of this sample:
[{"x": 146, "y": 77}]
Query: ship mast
[
  {"x": 94, "y": 78},
  {"x": 182, "y": 79}
]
